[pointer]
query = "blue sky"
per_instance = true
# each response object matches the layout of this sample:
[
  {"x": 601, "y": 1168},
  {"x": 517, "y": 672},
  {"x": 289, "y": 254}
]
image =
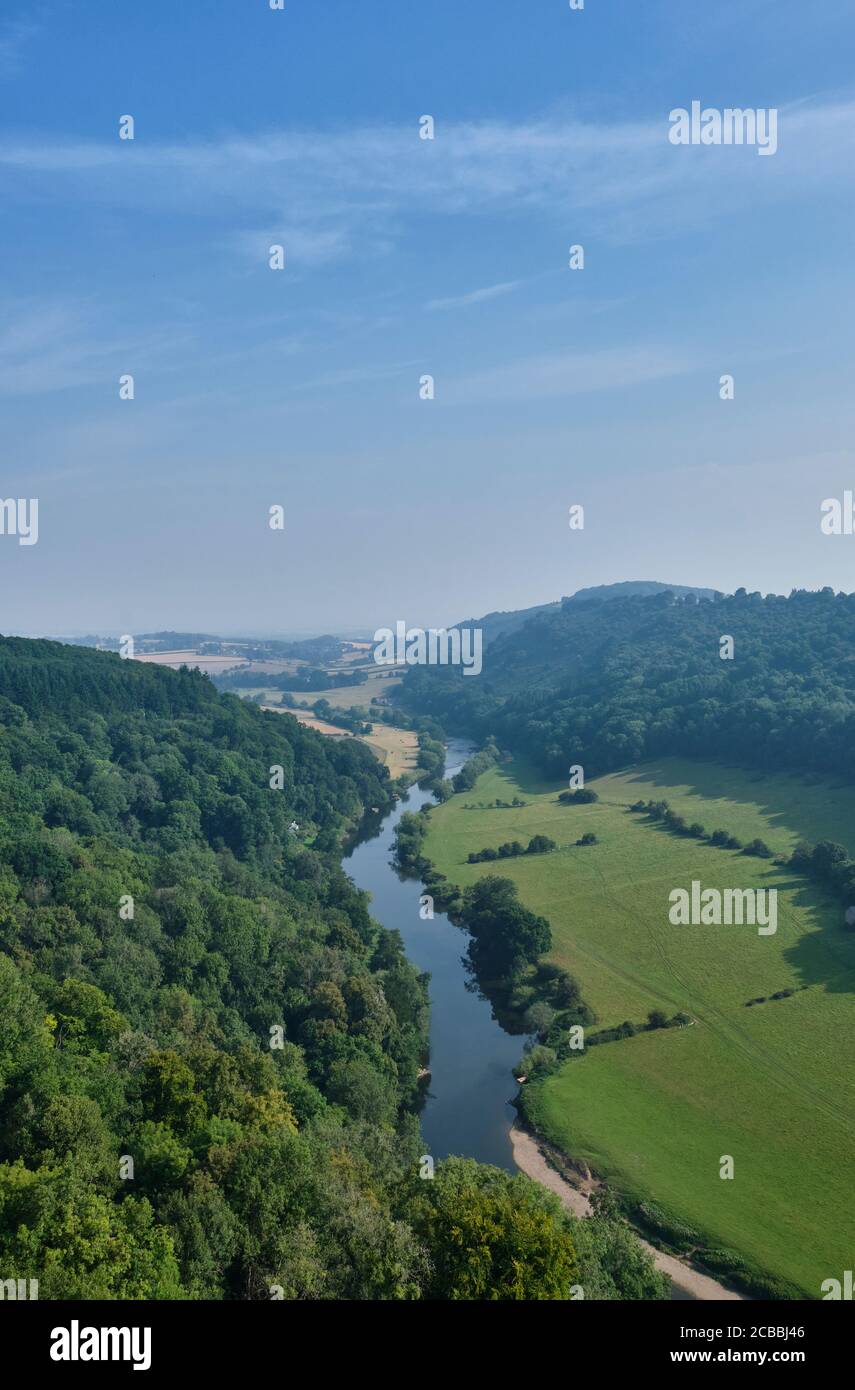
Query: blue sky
[{"x": 403, "y": 257}]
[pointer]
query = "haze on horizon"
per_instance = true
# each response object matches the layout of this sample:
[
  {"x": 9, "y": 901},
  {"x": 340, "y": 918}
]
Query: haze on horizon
[{"x": 300, "y": 387}]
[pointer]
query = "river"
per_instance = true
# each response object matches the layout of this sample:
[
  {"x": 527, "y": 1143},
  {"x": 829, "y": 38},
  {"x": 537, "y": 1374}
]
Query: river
[{"x": 468, "y": 1109}]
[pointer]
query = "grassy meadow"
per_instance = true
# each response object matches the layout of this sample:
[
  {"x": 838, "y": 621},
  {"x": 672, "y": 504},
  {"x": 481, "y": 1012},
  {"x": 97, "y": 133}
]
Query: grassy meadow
[{"x": 773, "y": 1085}]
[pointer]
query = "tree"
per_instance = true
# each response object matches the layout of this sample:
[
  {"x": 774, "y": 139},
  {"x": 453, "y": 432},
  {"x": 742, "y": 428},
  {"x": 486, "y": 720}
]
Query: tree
[
  {"x": 503, "y": 931},
  {"x": 493, "y": 1237},
  {"x": 540, "y": 844}
]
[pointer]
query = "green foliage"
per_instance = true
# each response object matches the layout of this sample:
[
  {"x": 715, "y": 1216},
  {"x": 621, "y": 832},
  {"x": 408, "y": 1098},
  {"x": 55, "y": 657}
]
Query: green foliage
[
  {"x": 505, "y": 934},
  {"x": 618, "y": 680},
  {"x": 494, "y": 1237},
  {"x": 147, "y": 1035},
  {"x": 615, "y": 1264}
]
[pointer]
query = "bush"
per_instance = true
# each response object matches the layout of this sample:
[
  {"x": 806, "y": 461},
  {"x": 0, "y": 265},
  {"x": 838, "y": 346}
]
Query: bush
[
  {"x": 537, "y": 1060},
  {"x": 759, "y": 848},
  {"x": 540, "y": 844}
]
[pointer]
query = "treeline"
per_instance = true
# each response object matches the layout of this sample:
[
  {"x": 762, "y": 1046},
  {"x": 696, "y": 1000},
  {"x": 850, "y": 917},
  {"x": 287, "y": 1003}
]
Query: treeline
[
  {"x": 353, "y": 720},
  {"x": 722, "y": 839},
  {"x": 471, "y": 770},
  {"x": 305, "y": 678},
  {"x": 556, "y": 1046},
  {"x": 611, "y": 682},
  {"x": 511, "y": 849}
]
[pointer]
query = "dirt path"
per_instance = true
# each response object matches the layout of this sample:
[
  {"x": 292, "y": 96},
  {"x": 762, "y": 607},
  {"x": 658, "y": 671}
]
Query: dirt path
[{"x": 530, "y": 1160}]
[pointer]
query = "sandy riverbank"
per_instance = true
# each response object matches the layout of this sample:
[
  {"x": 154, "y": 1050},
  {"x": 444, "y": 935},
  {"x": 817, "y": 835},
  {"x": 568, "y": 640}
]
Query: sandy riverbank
[{"x": 530, "y": 1160}]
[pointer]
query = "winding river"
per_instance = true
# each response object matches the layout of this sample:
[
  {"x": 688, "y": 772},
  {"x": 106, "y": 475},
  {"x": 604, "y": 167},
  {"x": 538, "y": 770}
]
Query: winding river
[{"x": 467, "y": 1110}]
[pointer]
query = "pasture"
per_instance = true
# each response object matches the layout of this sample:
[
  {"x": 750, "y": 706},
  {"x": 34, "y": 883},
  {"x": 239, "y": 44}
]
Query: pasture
[{"x": 771, "y": 1084}]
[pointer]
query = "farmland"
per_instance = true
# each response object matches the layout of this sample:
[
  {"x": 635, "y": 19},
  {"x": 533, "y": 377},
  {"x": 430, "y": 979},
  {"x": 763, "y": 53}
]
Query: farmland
[
  {"x": 772, "y": 1084},
  {"x": 396, "y": 748}
]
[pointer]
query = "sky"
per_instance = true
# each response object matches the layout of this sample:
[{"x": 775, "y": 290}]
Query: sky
[{"x": 405, "y": 258}]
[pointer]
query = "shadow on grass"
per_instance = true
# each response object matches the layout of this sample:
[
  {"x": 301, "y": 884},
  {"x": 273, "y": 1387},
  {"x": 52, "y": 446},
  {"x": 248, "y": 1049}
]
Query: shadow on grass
[
  {"x": 523, "y": 776},
  {"x": 824, "y": 956},
  {"x": 789, "y": 802}
]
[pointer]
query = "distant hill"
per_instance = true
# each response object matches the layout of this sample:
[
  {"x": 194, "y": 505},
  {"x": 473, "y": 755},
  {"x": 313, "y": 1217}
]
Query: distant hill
[
  {"x": 499, "y": 624},
  {"x": 640, "y": 587},
  {"x": 608, "y": 682}
]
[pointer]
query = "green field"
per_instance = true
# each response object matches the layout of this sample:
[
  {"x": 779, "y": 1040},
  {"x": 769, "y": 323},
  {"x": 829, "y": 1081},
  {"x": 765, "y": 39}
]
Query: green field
[
  {"x": 772, "y": 1085},
  {"x": 380, "y": 682}
]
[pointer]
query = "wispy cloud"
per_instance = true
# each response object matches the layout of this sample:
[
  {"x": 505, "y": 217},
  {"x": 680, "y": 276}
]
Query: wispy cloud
[
  {"x": 461, "y": 301},
  {"x": 569, "y": 374},
  {"x": 50, "y": 346},
  {"x": 343, "y": 187}
]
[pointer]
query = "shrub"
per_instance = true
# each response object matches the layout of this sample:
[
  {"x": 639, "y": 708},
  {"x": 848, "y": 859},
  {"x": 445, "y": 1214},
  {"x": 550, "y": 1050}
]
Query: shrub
[{"x": 759, "y": 848}]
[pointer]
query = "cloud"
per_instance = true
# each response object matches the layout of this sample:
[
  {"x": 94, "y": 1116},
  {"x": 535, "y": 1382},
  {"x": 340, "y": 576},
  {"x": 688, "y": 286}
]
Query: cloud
[
  {"x": 51, "y": 346},
  {"x": 461, "y": 301},
  {"x": 351, "y": 186},
  {"x": 569, "y": 374}
]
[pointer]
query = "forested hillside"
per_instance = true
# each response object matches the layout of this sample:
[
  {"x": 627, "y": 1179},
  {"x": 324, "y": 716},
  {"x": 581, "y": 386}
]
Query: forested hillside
[
  {"x": 606, "y": 683},
  {"x": 209, "y": 1053}
]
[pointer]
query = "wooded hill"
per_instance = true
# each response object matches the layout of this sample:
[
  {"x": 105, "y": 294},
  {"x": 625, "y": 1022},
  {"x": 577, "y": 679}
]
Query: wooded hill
[{"x": 606, "y": 683}]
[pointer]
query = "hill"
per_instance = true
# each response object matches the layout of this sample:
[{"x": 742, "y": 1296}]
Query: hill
[
  {"x": 604, "y": 683},
  {"x": 641, "y": 588},
  {"x": 500, "y": 624}
]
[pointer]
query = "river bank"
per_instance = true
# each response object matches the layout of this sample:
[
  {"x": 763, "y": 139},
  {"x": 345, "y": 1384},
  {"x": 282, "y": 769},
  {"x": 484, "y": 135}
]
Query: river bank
[{"x": 530, "y": 1158}]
